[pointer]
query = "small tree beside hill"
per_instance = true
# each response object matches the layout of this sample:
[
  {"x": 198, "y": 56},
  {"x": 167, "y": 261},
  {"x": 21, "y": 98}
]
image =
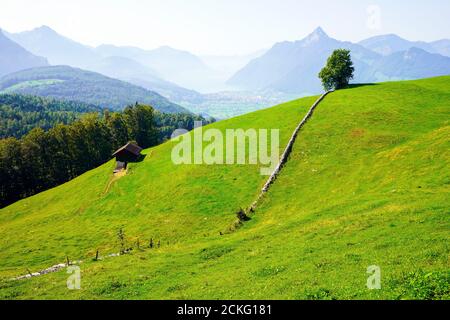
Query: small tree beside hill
[{"x": 339, "y": 70}]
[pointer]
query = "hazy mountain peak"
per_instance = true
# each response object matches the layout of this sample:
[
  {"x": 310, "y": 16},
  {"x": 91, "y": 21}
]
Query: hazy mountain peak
[
  {"x": 44, "y": 29},
  {"x": 58, "y": 49},
  {"x": 320, "y": 32},
  {"x": 317, "y": 35},
  {"x": 292, "y": 67},
  {"x": 391, "y": 43},
  {"x": 413, "y": 52},
  {"x": 389, "y": 36},
  {"x": 13, "y": 57}
]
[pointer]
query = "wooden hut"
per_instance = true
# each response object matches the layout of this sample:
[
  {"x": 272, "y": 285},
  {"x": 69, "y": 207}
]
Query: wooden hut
[{"x": 130, "y": 152}]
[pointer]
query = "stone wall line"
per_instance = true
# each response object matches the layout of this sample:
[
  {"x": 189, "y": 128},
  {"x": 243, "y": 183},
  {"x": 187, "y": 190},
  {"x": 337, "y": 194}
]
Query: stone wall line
[{"x": 285, "y": 156}]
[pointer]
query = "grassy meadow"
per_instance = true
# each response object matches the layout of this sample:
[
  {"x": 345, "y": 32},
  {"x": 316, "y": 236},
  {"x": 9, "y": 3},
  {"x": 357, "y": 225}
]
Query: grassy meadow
[{"x": 367, "y": 184}]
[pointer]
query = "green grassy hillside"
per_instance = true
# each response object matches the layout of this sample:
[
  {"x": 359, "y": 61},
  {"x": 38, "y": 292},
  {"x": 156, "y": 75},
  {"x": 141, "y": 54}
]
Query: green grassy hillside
[{"x": 367, "y": 184}]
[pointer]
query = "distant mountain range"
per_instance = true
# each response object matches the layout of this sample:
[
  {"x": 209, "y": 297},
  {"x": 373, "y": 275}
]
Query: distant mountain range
[
  {"x": 289, "y": 68},
  {"x": 181, "y": 67},
  {"x": 293, "y": 67},
  {"x": 67, "y": 83},
  {"x": 142, "y": 67},
  {"x": 131, "y": 71},
  {"x": 59, "y": 50},
  {"x": 226, "y": 66},
  {"x": 413, "y": 63},
  {"x": 14, "y": 58},
  {"x": 391, "y": 43},
  {"x": 176, "y": 68}
]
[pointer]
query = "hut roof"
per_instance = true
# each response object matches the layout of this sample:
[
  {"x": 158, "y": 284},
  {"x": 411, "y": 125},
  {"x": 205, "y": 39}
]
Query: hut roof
[{"x": 129, "y": 147}]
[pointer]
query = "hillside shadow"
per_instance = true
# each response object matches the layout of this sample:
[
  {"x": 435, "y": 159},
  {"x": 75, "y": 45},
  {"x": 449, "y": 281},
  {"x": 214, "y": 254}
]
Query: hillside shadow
[
  {"x": 138, "y": 159},
  {"x": 358, "y": 85},
  {"x": 132, "y": 159}
]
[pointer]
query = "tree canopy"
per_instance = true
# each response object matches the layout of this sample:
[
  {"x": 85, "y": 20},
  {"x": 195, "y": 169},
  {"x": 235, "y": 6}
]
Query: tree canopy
[
  {"x": 19, "y": 114},
  {"x": 339, "y": 70}
]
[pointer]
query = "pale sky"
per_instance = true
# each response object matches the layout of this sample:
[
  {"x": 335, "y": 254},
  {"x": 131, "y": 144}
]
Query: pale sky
[{"x": 226, "y": 27}]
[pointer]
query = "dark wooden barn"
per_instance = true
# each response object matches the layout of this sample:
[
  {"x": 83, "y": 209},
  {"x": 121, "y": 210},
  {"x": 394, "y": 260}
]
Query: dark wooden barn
[{"x": 128, "y": 153}]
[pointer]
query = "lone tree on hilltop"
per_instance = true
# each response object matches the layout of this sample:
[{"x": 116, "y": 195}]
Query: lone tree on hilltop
[{"x": 339, "y": 70}]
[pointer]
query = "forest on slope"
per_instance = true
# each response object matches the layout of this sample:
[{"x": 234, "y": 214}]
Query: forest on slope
[{"x": 62, "y": 140}]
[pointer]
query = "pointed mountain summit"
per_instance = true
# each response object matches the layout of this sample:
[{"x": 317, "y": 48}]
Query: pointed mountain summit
[
  {"x": 292, "y": 67},
  {"x": 58, "y": 49},
  {"x": 317, "y": 35},
  {"x": 45, "y": 30},
  {"x": 319, "y": 31}
]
